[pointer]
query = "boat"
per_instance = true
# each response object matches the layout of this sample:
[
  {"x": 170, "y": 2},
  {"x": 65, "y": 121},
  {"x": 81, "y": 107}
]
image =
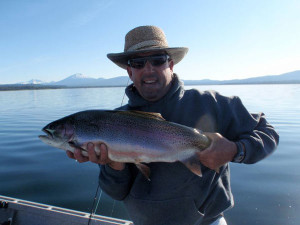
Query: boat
[{"x": 21, "y": 212}]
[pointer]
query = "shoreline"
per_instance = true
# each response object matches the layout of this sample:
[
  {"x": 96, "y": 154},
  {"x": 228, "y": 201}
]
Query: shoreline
[{"x": 13, "y": 87}]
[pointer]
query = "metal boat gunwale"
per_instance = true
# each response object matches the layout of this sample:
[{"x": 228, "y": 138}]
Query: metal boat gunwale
[{"x": 14, "y": 207}]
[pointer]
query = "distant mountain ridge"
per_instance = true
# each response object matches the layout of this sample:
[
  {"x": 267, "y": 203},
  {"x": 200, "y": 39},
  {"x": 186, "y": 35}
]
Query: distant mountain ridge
[
  {"x": 33, "y": 81},
  {"x": 79, "y": 80},
  {"x": 285, "y": 78}
]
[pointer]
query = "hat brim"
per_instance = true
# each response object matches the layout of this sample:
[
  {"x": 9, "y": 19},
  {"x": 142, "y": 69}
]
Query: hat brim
[{"x": 121, "y": 59}]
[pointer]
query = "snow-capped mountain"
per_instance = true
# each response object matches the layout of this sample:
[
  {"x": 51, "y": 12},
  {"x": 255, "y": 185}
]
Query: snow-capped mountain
[
  {"x": 78, "y": 76},
  {"x": 34, "y": 81},
  {"x": 77, "y": 79}
]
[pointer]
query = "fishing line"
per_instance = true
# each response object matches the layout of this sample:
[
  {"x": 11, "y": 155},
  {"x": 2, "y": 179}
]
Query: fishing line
[
  {"x": 94, "y": 209},
  {"x": 112, "y": 211},
  {"x": 98, "y": 200},
  {"x": 125, "y": 92}
]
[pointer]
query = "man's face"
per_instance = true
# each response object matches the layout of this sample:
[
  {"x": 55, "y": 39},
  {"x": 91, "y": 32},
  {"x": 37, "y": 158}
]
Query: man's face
[{"x": 152, "y": 82}]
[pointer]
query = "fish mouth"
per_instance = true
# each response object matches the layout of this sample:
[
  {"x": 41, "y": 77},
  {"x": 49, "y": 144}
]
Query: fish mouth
[{"x": 49, "y": 132}]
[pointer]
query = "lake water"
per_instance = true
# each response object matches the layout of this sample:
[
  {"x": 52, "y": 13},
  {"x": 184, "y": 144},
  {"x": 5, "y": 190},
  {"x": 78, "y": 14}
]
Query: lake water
[{"x": 265, "y": 193}]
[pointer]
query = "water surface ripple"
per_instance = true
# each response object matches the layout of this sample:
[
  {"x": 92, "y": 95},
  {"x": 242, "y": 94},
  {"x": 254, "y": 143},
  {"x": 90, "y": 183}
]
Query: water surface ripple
[{"x": 265, "y": 193}]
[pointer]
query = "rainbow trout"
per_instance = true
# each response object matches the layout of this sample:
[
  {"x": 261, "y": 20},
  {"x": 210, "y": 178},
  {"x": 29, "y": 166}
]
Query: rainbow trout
[{"x": 131, "y": 137}]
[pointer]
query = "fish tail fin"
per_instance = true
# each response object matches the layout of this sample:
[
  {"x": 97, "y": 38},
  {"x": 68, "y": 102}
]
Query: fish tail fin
[{"x": 194, "y": 165}]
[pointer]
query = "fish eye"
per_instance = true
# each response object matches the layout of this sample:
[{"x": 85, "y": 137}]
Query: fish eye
[{"x": 51, "y": 127}]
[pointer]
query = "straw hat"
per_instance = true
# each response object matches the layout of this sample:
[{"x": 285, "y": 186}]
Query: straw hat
[{"x": 146, "y": 39}]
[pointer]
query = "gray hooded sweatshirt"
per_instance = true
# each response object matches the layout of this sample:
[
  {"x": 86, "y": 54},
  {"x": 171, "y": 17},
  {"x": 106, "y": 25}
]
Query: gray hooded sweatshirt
[{"x": 175, "y": 196}]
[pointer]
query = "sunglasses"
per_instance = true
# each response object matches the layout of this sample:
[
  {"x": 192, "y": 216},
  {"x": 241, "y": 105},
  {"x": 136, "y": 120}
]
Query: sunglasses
[{"x": 156, "y": 60}]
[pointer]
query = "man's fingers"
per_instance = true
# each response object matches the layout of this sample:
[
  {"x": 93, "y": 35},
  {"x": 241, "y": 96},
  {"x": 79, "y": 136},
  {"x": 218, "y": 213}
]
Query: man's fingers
[
  {"x": 103, "y": 154},
  {"x": 220, "y": 152},
  {"x": 79, "y": 157},
  {"x": 92, "y": 154},
  {"x": 70, "y": 154},
  {"x": 92, "y": 150},
  {"x": 102, "y": 158}
]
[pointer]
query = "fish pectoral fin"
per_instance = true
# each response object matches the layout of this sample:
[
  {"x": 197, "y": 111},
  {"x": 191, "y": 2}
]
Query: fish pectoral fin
[
  {"x": 194, "y": 165},
  {"x": 145, "y": 170},
  {"x": 74, "y": 145}
]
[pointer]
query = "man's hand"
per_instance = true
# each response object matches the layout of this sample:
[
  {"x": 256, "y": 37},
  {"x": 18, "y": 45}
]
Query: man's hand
[
  {"x": 102, "y": 158},
  {"x": 220, "y": 151}
]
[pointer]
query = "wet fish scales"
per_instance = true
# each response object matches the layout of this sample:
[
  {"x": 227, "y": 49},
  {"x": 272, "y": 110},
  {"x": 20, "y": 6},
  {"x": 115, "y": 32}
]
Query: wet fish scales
[{"x": 131, "y": 137}]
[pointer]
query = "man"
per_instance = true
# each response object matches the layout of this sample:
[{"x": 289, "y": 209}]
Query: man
[{"x": 175, "y": 195}]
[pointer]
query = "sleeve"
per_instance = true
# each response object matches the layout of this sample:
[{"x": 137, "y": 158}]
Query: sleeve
[
  {"x": 252, "y": 130},
  {"x": 116, "y": 184}
]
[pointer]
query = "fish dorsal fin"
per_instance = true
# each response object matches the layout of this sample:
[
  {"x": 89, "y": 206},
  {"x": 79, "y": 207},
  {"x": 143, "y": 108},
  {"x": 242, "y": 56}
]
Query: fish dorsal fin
[{"x": 152, "y": 115}]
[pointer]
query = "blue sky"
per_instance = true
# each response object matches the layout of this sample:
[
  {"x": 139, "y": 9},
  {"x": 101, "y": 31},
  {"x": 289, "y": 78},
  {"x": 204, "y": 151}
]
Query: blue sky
[{"x": 228, "y": 39}]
